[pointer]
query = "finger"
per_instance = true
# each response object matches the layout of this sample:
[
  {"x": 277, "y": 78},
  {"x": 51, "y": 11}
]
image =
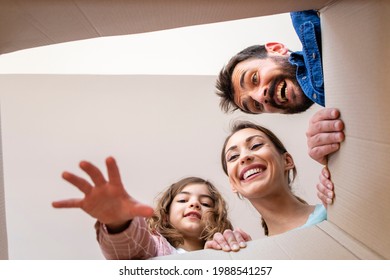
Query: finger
[
  {"x": 324, "y": 126},
  {"x": 245, "y": 235},
  {"x": 327, "y": 184},
  {"x": 211, "y": 244},
  {"x": 67, "y": 203},
  {"x": 113, "y": 172},
  {"x": 220, "y": 239},
  {"x": 325, "y": 114},
  {"x": 327, "y": 138},
  {"x": 240, "y": 239},
  {"x": 82, "y": 184},
  {"x": 93, "y": 172},
  {"x": 142, "y": 210},
  {"x": 230, "y": 237},
  {"x": 324, "y": 195},
  {"x": 320, "y": 153},
  {"x": 325, "y": 172}
]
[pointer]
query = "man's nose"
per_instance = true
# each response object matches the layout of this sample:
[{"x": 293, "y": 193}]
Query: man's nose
[{"x": 261, "y": 95}]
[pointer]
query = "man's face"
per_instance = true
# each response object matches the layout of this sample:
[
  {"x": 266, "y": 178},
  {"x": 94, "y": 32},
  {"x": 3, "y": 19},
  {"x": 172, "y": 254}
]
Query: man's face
[{"x": 268, "y": 86}]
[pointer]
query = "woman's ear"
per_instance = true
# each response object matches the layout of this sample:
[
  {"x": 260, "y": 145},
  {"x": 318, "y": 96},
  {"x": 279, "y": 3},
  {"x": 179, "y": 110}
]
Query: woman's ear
[
  {"x": 289, "y": 161},
  {"x": 276, "y": 48},
  {"x": 232, "y": 185}
]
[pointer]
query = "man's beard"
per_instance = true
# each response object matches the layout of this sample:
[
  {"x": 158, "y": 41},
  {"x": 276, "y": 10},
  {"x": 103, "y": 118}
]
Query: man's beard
[{"x": 289, "y": 73}]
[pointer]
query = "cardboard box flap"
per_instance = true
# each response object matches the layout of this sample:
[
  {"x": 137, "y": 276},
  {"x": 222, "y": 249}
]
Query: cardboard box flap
[
  {"x": 27, "y": 24},
  {"x": 356, "y": 43},
  {"x": 304, "y": 244}
]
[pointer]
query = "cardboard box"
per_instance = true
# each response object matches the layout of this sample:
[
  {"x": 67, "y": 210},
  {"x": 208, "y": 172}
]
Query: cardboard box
[{"x": 356, "y": 56}]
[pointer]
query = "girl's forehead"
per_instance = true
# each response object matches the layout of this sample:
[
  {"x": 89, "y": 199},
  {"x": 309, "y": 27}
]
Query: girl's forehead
[{"x": 196, "y": 189}]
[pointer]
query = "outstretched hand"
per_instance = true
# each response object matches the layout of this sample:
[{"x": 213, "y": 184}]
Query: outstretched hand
[
  {"x": 229, "y": 240},
  {"x": 105, "y": 200},
  {"x": 325, "y": 133}
]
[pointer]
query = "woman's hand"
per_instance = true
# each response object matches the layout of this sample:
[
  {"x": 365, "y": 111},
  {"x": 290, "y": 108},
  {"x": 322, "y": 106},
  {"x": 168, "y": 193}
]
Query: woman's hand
[{"x": 230, "y": 240}]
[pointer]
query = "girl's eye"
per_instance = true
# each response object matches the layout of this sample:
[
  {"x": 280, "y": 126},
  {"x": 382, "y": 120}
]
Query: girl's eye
[
  {"x": 206, "y": 205},
  {"x": 255, "y": 79},
  {"x": 181, "y": 200}
]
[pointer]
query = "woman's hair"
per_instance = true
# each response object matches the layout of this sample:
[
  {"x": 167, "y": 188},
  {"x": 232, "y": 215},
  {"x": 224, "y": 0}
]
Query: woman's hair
[
  {"x": 239, "y": 125},
  {"x": 215, "y": 220}
]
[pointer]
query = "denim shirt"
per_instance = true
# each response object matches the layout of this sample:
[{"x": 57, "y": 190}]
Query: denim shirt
[{"x": 308, "y": 61}]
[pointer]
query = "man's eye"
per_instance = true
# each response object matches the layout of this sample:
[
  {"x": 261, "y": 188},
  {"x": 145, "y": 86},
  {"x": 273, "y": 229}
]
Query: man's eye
[
  {"x": 255, "y": 79},
  {"x": 257, "y": 105}
]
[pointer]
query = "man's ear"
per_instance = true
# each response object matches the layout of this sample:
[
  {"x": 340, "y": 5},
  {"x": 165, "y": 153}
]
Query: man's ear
[
  {"x": 289, "y": 161},
  {"x": 276, "y": 48}
]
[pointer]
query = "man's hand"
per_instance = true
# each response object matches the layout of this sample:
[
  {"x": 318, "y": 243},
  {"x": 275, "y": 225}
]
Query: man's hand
[
  {"x": 105, "y": 200},
  {"x": 324, "y": 135},
  {"x": 229, "y": 240}
]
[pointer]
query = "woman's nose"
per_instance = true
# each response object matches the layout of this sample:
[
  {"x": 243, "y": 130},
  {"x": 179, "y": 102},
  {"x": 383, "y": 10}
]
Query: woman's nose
[{"x": 246, "y": 158}]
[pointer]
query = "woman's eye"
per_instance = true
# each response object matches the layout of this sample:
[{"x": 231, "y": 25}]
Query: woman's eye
[
  {"x": 256, "y": 146},
  {"x": 232, "y": 157},
  {"x": 255, "y": 79}
]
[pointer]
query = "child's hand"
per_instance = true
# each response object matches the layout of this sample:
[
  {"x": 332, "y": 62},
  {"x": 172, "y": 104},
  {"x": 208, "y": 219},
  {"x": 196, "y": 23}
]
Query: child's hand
[
  {"x": 105, "y": 200},
  {"x": 229, "y": 240}
]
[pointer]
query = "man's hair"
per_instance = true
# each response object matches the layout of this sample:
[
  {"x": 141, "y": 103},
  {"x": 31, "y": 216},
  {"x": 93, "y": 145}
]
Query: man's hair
[
  {"x": 224, "y": 85},
  {"x": 215, "y": 220}
]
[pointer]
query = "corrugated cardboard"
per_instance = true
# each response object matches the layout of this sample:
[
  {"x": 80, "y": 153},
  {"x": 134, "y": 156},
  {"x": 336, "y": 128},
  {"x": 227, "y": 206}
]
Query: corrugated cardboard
[
  {"x": 27, "y": 24},
  {"x": 356, "y": 41}
]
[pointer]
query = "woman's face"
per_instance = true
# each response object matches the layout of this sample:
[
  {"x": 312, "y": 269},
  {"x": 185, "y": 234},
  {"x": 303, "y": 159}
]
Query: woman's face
[{"x": 255, "y": 168}]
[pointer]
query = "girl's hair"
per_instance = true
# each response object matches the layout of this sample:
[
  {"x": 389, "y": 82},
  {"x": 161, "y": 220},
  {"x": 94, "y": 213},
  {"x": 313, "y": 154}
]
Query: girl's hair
[
  {"x": 215, "y": 220},
  {"x": 239, "y": 125}
]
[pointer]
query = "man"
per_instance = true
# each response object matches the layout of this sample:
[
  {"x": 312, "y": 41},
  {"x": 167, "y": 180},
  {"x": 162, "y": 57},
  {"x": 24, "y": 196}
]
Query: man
[{"x": 271, "y": 79}]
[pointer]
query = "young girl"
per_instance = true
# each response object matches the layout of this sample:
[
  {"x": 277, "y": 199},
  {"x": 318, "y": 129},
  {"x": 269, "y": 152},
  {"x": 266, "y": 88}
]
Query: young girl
[{"x": 188, "y": 213}]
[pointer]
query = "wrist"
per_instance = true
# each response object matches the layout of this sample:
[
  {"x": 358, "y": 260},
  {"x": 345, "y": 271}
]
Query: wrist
[{"x": 117, "y": 228}]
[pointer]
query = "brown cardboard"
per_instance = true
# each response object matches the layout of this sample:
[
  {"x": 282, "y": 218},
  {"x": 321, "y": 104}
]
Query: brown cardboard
[
  {"x": 356, "y": 56},
  {"x": 311, "y": 243},
  {"x": 356, "y": 74},
  {"x": 27, "y": 24}
]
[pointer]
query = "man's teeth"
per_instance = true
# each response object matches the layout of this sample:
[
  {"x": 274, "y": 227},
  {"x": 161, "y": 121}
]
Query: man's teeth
[
  {"x": 281, "y": 92},
  {"x": 251, "y": 172}
]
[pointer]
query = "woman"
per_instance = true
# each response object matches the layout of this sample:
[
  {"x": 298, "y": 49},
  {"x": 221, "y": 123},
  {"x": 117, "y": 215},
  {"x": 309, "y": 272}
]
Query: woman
[{"x": 261, "y": 170}]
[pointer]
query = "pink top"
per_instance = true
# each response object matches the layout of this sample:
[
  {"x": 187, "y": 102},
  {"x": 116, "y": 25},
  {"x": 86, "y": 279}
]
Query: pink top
[{"x": 134, "y": 243}]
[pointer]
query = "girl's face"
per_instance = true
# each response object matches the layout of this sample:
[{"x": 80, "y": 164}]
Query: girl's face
[
  {"x": 188, "y": 209},
  {"x": 255, "y": 168}
]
